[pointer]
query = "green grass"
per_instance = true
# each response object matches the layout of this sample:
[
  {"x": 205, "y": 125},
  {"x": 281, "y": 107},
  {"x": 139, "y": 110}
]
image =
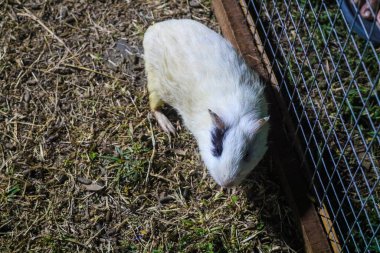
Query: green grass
[{"x": 130, "y": 165}]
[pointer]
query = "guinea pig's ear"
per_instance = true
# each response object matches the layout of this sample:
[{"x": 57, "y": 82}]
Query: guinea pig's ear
[
  {"x": 216, "y": 120},
  {"x": 258, "y": 125},
  {"x": 217, "y": 134}
]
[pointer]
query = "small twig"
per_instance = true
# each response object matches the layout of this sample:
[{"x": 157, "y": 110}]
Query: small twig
[
  {"x": 153, "y": 151},
  {"x": 163, "y": 178},
  {"x": 37, "y": 220},
  {"x": 75, "y": 242},
  {"x": 32, "y": 16},
  {"x": 4, "y": 163},
  {"x": 251, "y": 237},
  {"x": 60, "y": 239},
  {"x": 93, "y": 71},
  {"x": 134, "y": 103},
  {"x": 92, "y": 237},
  {"x": 118, "y": 226}
]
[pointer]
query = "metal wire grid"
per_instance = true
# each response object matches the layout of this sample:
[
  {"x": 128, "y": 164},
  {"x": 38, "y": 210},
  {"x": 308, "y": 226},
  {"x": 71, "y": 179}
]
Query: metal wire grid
[{"x": 330, "y": 78}]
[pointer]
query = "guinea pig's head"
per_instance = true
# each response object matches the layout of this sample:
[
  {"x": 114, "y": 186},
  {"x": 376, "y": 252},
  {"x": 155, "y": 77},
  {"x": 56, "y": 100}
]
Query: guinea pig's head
[{"x": 235, "y": 149}]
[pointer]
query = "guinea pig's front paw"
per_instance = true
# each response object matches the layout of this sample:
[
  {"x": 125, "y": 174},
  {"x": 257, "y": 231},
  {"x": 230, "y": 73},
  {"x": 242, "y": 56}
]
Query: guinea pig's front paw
[{"x": 164, "y": 122}]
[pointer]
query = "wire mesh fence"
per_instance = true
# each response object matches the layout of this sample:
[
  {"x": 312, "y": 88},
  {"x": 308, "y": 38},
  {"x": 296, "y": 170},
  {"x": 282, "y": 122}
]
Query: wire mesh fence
[{"x": 330, "y": 79}]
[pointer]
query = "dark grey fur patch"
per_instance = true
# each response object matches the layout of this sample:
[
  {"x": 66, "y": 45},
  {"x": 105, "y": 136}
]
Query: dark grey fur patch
[{"x": 217, "y": 136}]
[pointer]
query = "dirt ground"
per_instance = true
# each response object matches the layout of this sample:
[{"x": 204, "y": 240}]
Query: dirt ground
[{"x": 83, "y": 165}]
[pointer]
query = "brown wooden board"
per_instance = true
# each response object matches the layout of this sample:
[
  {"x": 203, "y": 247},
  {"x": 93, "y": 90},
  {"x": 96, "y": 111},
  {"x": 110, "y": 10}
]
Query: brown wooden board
[{"x": 282, "y": 140}]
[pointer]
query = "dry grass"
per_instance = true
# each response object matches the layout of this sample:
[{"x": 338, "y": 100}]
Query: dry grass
[{"x": 83, "y": 167}]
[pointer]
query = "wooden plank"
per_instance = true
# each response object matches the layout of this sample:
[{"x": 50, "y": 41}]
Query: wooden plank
[
  {"x": 235, "y": 28},
  {"x": 328, "y": 225}
]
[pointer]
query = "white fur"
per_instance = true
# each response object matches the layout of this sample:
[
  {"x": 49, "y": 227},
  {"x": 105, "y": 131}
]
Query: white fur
[{"x": 196, "y": 69}]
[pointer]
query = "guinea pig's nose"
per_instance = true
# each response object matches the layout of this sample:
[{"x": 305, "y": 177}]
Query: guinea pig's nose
[{"x": 227, "y": 183}]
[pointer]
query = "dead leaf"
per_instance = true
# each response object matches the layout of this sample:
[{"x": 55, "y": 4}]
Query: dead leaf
[
  {"x": 83, "y": 180},
  {"x": 94, "y": 187}
]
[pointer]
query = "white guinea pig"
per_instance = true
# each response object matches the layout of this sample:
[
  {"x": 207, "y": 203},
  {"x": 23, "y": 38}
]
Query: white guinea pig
[{"x": 221, "y": 100}]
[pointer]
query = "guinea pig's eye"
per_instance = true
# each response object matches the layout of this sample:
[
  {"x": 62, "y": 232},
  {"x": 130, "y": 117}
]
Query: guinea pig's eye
[{"x": 246, "y": 157}]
